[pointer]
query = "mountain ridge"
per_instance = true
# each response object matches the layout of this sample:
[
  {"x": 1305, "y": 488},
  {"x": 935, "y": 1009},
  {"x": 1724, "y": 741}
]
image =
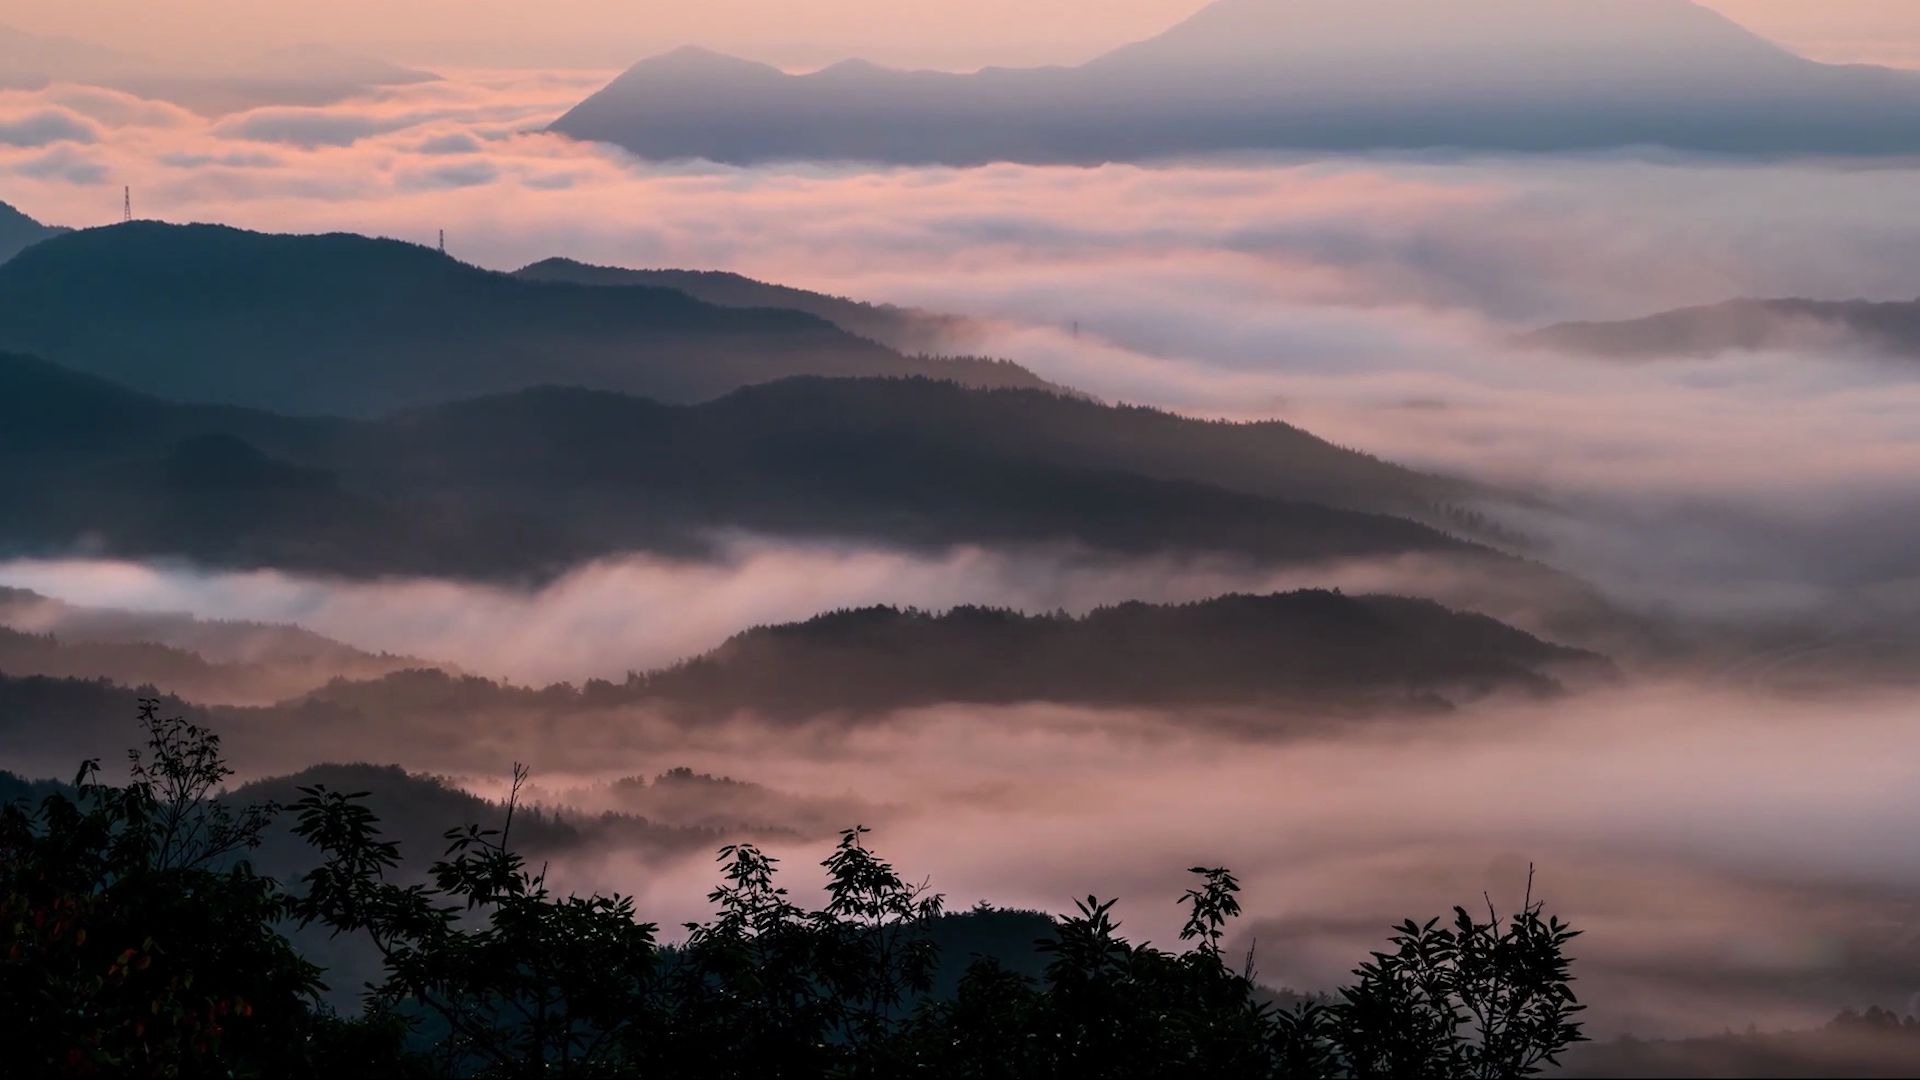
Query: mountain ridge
[
  {"x": 1305, "y": 646},
  {"x": 908, "y": 330},
  {"x": 524, "y": 485},
  {"x": 1518, "y": 75},
  {"x": 355, "y": 325},
  {"x": 19, "y": 232},
  {"x": 1887, "y": 328}
]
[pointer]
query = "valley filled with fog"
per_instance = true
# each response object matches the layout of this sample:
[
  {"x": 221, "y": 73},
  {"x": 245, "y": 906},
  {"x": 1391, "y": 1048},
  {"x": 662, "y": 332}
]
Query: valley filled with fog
[{"x": 1643, "y": 623}]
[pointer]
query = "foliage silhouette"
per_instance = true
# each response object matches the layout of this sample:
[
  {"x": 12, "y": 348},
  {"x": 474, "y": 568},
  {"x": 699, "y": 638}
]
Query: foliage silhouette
[{"x": 135, "y": 939}]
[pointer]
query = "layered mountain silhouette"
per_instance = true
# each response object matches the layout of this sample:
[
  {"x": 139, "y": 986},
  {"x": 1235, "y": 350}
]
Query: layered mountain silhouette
[
  {"x": 1275, "y": 74},
  {"x": 529, "y": 483},
  {"x": 350, "y": 325},
  {"x": 307, "y": 74},
  {"x": 1301, "y": 659},
  {"x": 19, "y": 232},
  {"x": 908, "y": 330},
  {"x": 1323, "y": 649},
  {"x": 210, "y": 661},
  {"x": 1862, "y": 326},
  {"x": 1294, "y": 648}
]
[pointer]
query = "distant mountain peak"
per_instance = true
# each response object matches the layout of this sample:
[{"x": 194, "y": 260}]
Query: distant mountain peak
[
  {"x": 1364, "y": 26},
  {"x": 853, "y": 68},
  {"x": 699, "y": 60},
  {"x": 1542, "y": 75},
  {"x": 908, "y": 330}
]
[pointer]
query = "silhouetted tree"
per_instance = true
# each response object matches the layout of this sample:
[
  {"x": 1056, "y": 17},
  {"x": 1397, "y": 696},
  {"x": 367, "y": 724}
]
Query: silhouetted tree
[{"x": 136, "y": 940}]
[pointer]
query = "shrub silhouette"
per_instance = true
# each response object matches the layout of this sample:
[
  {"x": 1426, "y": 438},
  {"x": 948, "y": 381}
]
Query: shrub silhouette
[{"x": 136, "y": 940}]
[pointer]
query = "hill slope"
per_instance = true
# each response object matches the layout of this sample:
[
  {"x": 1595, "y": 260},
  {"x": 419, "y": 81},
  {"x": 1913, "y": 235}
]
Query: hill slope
[
  {"x": 19, "y": 232},
  {"x": 1885, "y": 328},
  {"x": 212, "y": 662},
  {"x": 526, "y": 484},
  {"x": 1299, "y": 658},
  {"x": 1313, "y": 647},
  {"x": 1323, "y": 74},
  {"x": 909, "y": 330},
  {"x": 349, "y": 325}
]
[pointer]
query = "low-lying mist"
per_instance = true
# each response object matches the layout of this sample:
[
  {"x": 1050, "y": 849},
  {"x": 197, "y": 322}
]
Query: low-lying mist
[
  {"x": 1370, "y": 299},
  {"x": 1734, "y": 840},
  {"x": 1735, "y": 850},
  {"x": 642, "y": 612},
  {"x": 1734, "y": 856}
]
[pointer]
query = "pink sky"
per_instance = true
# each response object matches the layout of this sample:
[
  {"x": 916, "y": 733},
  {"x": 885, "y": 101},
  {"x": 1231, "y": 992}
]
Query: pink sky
[{"x": 934, "y": 33}]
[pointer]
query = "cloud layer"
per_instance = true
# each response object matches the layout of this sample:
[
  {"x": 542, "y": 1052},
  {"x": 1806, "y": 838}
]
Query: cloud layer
[
  {"x": 642, "y": 612},
  {"x": 1368, "y": 299},
  {"x": 1733, "y": 857},
  {"x": 1758, "y": 840}
]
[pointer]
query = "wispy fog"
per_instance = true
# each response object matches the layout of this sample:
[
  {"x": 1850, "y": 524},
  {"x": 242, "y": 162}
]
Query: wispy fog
[
  {"x": 641, "y": 612},
  {"x": 1734, "y": 856},
  {"x": 1737, "y": 853},
  {"x": 1369, "y": 299}
]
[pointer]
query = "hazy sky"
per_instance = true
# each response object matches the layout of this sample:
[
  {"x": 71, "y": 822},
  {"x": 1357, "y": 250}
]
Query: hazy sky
[{"x": 935, "y": 33}]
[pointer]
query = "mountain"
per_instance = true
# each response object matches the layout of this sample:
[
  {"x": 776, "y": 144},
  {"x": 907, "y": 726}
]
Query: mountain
[
  {"x": 1316, "y": 652},
  {"x": 907, "y": 330},
  {"x": 525, "y": 485},
  {"x": 1528, "y": 75},
  {"x": 213, "y": 662},
  {"x": 1883, "y": 328},
  {"x": 417, "y": 809},
  {"x": 19, "y": 232},
  {"x": 680, "y": 796},
  {"x": 221, "y": 641},
  {"x": 1299, "y": 659},
  {"x": 307, "y": 74},
  {"x": 349, "y": 325},
  {"x": 1312, "y": 648},
  {"x": 1871, "y": 1043}
]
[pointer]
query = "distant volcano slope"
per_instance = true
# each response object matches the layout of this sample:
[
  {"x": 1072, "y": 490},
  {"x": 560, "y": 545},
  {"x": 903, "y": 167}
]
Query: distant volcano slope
[{"x": 1525, "y": 75}]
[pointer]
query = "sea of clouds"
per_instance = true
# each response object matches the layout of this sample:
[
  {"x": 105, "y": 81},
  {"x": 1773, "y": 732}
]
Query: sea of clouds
[{"x": 1755, "y": 838}]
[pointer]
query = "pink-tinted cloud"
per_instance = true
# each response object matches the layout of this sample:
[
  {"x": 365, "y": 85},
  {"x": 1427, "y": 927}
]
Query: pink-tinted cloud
[
  {"x": 44, "y": 127},
  {"x": 1734, "y": 857},
  {"x": 1367, "y": 299},
  {"x": 642, "y": 612}
]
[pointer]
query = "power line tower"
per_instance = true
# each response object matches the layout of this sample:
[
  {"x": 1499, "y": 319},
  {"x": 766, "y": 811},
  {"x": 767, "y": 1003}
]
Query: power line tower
[
  {"x": 126, "y": 205},
  {"x": 443, "y": 241}
]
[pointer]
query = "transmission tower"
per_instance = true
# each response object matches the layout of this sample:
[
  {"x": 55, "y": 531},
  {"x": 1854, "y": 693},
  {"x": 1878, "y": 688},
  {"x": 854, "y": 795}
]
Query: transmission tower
[
  {"x": 126, "y": 205},
  {"x": 443, "y": 241}
]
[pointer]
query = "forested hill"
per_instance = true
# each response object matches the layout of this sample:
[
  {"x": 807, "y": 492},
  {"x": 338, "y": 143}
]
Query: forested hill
[
  {"x": 350, "y": 325},
  {"x": 1290, "y": 648},
  {"x": 528, "y": 484},
  {"x": 19, "y": 232},
  {"x": 1285, "y": 663},
  {"x": 910, "y": 330}
]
